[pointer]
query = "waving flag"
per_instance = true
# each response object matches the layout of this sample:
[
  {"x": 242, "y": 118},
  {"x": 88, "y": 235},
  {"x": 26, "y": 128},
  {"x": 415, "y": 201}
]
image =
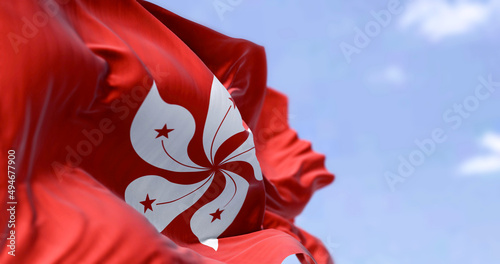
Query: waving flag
[{"x": 113, "y": 106}]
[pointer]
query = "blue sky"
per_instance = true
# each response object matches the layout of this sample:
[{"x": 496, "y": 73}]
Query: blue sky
[{"x": 366, "y": 109}]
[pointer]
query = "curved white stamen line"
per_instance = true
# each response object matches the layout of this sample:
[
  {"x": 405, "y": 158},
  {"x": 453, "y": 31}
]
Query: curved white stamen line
[
  {"x": 216, "y": 132},
  {"x": 226, "y": 160},
  {"x": 211, "y": 175},
  {"x": 166, "y": 152},
  {"x": 235, "y": 188}
]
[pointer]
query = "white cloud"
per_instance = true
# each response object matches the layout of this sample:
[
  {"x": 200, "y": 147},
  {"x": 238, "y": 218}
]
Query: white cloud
[
  {"x": 492, "y": 141},
  {"x": 394, "y": 74},
  {"x": 386, "y": 79},
  {"x": 485, "y": 163},
  {"x": 391, "y": 74},
  {"x": 437, "y": 19}
]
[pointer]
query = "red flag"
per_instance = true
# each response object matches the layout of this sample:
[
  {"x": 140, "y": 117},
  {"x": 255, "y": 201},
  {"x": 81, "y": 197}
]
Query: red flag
[{"x": 115, "y": 103}]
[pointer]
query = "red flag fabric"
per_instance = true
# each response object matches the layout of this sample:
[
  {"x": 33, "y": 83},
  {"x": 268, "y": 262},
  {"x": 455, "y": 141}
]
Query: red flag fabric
[{"x": 113, "y": 106}]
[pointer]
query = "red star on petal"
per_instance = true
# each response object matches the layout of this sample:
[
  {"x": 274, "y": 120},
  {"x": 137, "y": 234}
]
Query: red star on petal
[
  {"x": 216, "y": 214},
  {"x": 163, "y": 131},
  {"x": 148, "y": 203}
]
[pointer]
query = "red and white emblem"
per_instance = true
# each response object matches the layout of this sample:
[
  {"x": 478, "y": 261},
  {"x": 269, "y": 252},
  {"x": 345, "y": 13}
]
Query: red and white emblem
[{"x": 160, "y": 134}]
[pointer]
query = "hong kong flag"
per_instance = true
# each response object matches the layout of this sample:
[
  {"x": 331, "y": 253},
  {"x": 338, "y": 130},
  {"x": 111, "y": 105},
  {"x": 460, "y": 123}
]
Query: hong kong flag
[{"x": 141, "y": 137}]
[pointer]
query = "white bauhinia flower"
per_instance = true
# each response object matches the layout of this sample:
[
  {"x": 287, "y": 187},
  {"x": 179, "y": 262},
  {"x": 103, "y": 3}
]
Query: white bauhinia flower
[{"x": 160, "y": 134}]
